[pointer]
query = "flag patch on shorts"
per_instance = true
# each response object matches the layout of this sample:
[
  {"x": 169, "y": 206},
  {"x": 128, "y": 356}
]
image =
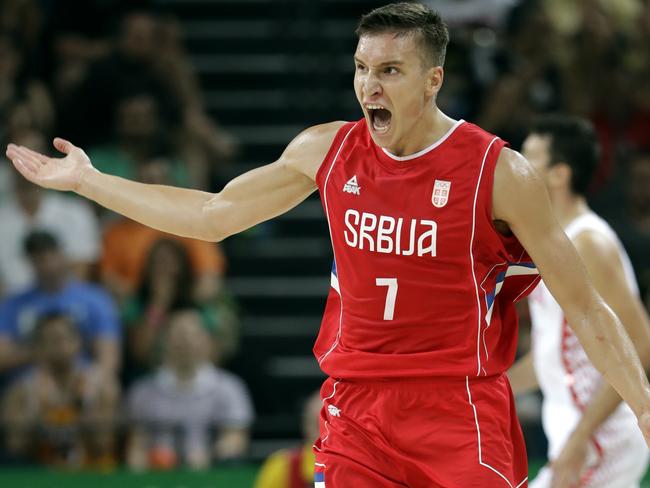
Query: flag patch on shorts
[{"x": 319, "y": 480}]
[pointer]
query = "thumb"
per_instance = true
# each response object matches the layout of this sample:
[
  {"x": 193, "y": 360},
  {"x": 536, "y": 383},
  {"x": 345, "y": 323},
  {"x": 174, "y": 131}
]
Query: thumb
[{"x": 63, "y": 145}]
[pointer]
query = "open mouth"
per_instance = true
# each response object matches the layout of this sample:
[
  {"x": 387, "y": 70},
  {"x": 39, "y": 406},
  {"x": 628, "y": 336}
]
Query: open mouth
[{"x": 380, "y": 118}]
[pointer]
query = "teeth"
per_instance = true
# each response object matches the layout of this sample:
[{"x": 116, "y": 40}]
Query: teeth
[{"x": 372, "y": 106}]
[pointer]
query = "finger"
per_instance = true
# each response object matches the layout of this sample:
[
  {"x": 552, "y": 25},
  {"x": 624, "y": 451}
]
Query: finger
[
  {"x": 28, "y": 170},
  {"x": 29, "y": 156},
  {"x": 63, "y": 145},
  {"x": 42, "y": 158}
]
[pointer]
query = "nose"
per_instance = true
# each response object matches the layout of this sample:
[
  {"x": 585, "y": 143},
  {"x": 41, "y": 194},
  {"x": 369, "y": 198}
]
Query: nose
[{"x": 371, "y": 85}]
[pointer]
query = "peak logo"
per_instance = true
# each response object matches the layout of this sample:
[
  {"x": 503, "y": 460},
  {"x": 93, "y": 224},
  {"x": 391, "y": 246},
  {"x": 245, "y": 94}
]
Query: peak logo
[{"x": 352, "y": 186}]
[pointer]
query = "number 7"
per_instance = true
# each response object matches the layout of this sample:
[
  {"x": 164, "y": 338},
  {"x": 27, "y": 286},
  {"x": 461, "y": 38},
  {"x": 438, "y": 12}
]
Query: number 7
[{"x": 391, "y": 295}]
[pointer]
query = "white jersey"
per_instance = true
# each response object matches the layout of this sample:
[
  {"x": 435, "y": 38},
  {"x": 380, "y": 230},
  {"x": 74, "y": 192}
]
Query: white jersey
[{"x": 568, "y": 381}]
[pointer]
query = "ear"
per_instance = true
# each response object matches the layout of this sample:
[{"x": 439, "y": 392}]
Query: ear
[
  {"x": 560, "y": 175},
  {"x": 434, "y": 78}
]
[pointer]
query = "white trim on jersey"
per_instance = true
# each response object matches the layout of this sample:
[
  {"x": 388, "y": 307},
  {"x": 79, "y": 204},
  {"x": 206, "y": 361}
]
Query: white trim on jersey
[
  {"x": 426, "y": 149},
  {"x": 471, "y": 257},
  {"x": 514, "y": 269},
  {"x": 329, "y": 225},
  {"x": 334, "y": 283},
  {"x": 478, "y": 434}
]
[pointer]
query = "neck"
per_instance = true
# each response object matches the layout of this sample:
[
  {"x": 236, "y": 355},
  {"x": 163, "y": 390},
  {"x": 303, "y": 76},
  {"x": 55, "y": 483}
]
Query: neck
[
  {"x": 568, "y": 206},
  {"x": 54, "y": 284},
  {"x": 432, "y": 125},
  {"x": 186, "y": 373}
]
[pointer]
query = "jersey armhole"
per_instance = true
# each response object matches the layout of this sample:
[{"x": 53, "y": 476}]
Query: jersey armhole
[
  {"x": 328, "y": 160},
  {"x": 509, "y": 243}
]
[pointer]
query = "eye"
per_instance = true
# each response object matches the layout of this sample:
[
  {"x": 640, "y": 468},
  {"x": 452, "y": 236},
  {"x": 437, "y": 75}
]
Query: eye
[
  {"x": 391, "y": 70},
  {"x": 360, "y": 67}
]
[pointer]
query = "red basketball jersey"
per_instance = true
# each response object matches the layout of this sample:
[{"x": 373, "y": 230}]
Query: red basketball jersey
[{"x": 422, "y": 283}]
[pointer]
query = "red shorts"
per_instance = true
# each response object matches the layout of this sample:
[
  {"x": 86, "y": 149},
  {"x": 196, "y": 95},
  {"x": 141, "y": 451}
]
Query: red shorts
[{"x": 428, "y": 433}]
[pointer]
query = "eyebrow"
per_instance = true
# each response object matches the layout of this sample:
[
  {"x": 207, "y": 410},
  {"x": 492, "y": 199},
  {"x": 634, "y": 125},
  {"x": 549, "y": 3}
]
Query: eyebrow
[{"x": 385, "y": 63}]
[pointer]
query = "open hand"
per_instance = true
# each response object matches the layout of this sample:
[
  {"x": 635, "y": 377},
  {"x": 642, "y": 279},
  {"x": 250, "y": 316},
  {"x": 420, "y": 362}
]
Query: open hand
[{"x": 57, "y": 173}]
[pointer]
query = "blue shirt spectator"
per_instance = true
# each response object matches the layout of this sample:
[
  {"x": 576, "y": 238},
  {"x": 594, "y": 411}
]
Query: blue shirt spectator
[{"x": 55, "y": 291}]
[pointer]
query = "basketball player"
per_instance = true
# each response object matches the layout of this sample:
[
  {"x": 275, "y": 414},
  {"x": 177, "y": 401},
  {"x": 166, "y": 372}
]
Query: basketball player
[
  {"x": 593, "y": 438},
  {"x": 426, "y": 216}
]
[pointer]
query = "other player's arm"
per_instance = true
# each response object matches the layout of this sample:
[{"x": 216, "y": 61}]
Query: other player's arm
[
  {"x": 522, "y": 375},
  {"x": 520, "y": 199},
  {"x": 247, "y": 200},
  {"x": 604, "y": 266}
]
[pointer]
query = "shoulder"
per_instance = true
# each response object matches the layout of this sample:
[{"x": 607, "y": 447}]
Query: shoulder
[
  {"x": 227, "y": 380},
  {"x": 142, "y": 389},
  {"x": 95, "y": 294},
  {"x": 275, "y": 470},
  {"x": 19, "y": 299},
  {"x": 517, "y": 186},
  {"x": 512, "y": 167},
  {"x": 596, "y": 246},
  {"x": 306, "y": 151}
]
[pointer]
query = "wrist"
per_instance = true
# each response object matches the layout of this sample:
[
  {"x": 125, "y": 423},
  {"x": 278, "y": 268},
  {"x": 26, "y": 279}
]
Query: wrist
[{"x": 84, "y": 175}]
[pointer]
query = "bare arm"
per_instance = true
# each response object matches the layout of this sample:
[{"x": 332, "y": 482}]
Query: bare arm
[
  {"x": 136, "y": 450},
  {"x": 522, "y": 375},
  {"x": 232, "y": 443},
  {"x": 606, "y": 271},
  {"x": 107, "y": 354},
  {"x": 249, "y": 199},
  {"x": 520, "y": 200},
  {"x": 605, "y": 268}
]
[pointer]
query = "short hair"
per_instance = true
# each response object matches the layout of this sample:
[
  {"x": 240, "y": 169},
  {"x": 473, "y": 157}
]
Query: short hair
[
  {"x": 406, "y": 17},
  {"x": 39, "y": 241},
  {"x": 574, "y": 143}
]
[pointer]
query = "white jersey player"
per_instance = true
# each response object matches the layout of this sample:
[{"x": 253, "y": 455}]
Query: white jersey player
[
  {"x": 617, "y": 453},
  {"x": 593, "y": 439}
]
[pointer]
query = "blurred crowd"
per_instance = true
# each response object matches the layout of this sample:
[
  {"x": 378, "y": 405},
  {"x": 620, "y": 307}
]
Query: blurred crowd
[{"x": 113, "y": 336}]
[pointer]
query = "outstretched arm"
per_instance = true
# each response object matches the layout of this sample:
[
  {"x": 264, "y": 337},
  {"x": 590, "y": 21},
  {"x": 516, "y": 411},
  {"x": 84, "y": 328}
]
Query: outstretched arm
[
  {"x": 520, "y": 199},
  {"x": 247, "y": 200},
  {"x": 603, "y": 263}
]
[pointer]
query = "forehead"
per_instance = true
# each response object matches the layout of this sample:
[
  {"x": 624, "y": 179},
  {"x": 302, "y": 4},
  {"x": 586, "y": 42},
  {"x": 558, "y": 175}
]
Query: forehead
[{"x": 376, "y": 49}]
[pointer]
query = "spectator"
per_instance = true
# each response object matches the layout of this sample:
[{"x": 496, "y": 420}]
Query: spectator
[
  {"x": 169, "y": 284},
  {"x": 127, "y": 244},
  {"x": 69, "y": 219},
  {"x": 55, "y": 289},
  {"x": 24, "y": 100},
  {"x": 128, "y": 69},
  {"x": 200, "y": 140},
  {"x": 174, "y": 412},
  {"x": 63, "y": 411},
  {"x": 294, "y": 468},
  {"x": 148, "y": 59},
  {"x": 140, "y": 135}
]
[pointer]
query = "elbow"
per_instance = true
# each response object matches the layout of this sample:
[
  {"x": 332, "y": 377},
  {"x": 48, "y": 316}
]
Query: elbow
[
  {"x": 213, "y": 233},
  {"x": 212, "y": 224}
]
